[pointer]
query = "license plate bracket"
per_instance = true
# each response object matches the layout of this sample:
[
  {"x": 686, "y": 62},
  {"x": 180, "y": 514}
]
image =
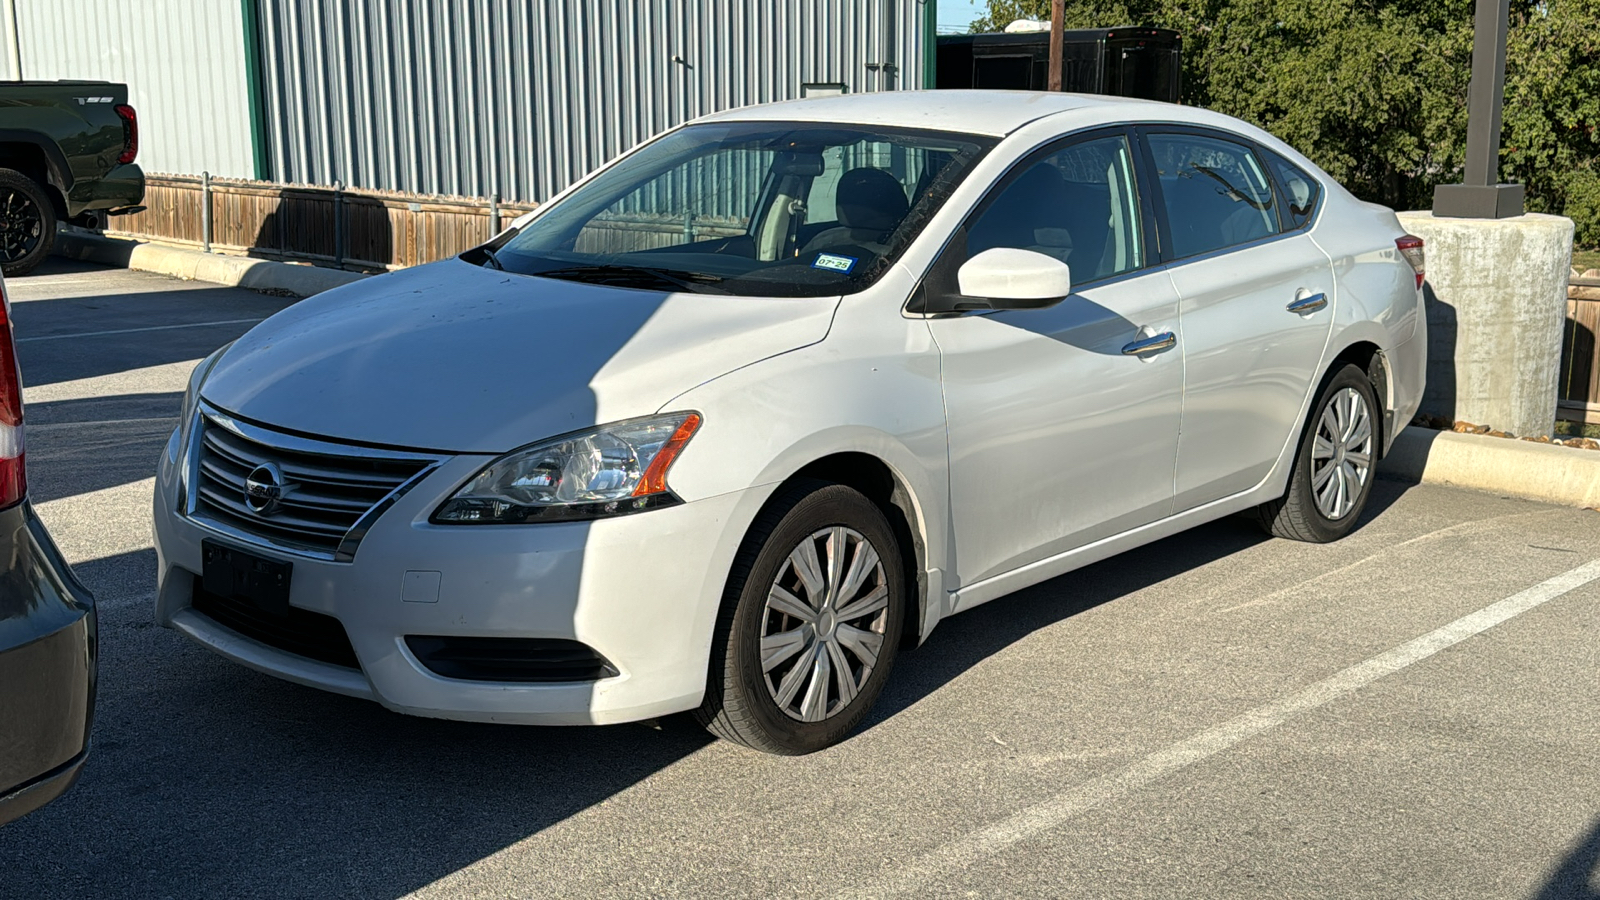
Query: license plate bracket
[{"x": 238, "y": 575}]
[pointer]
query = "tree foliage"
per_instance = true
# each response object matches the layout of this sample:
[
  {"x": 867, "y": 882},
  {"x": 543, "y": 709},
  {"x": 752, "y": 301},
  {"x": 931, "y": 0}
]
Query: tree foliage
[
  {"x": 1552, "y": 111},
  {"x": 1375, "y": 91}
]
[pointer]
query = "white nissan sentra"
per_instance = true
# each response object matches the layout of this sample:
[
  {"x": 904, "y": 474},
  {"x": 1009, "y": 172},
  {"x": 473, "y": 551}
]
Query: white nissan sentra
[{"x": 738, "y": 418}]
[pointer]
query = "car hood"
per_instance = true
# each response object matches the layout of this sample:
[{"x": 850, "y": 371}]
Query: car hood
[{"x": 459, "y": 358}]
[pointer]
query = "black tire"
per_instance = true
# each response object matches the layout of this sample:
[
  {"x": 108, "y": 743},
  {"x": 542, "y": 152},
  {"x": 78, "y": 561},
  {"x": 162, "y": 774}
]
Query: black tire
[
  {"x": 741, "y": 702},
  {"x": 1297, "y": 515},
  {"x": 27, "y": 223}
]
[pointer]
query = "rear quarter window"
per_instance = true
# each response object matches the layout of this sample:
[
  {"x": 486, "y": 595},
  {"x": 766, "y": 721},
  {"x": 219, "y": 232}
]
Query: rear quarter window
[{"x": 1301, "y": 191}]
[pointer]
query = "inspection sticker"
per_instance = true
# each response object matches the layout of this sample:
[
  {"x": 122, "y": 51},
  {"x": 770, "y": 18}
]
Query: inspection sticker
[{"x": 835, "y": 263}]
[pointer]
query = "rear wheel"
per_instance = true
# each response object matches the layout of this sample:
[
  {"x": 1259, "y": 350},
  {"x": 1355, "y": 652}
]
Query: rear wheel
[
  {"x": 1334, "y": 466},
  {"x": 810, "y": 625},
  {"x": 27, "y": 223}
]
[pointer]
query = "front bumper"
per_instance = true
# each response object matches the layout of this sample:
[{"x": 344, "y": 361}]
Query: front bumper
[
  {"x": 641, "y": 590},
  {"x": 47, "y": 667}
]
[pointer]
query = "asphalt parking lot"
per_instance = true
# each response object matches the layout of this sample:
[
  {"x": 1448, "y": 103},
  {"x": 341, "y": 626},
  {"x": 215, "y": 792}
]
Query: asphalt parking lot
[{"x": 1214, "y": 715}]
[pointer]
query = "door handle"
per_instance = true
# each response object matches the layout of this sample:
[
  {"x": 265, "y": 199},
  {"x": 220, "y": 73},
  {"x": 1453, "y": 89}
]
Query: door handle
[
  {"x": 1310, "y": 303},
  {"x": 1155, "y": 343}
]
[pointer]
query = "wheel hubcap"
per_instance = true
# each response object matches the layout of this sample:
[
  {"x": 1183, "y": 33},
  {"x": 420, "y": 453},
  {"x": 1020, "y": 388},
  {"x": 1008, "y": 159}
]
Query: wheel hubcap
[
  {"x": 1341, "y": 453},
  {"x": 21, "y": 226},
  {"x": 823, "y": 626}
]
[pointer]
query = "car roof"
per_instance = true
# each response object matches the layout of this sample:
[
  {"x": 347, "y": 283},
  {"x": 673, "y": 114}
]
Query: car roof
[{"x": 994, "y": 113}]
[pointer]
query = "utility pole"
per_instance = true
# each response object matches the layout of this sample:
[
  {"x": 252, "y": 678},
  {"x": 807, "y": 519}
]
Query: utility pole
[
  {"x": 1058, "y": 18},
  {"x": 1481, "y": 196}
]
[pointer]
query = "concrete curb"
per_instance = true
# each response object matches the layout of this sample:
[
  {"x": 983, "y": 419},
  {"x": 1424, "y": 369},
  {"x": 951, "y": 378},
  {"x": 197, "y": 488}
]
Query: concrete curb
[
  {"x": 1563, "y": 475},
  {"x": 197, "y": 265}
]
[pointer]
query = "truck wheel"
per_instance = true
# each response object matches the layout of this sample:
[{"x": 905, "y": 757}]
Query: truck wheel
[{"x": 27, "y": 223}]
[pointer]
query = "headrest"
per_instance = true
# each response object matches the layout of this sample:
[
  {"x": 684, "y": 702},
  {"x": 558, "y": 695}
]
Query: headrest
[{"x": 870, "y": 199}]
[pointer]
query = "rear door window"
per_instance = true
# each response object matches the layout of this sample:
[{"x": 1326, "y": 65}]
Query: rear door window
[{"x": 1216, "y": 193}]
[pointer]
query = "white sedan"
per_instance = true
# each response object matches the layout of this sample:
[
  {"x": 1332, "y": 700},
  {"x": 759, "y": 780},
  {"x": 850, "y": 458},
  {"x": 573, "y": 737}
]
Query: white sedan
[{"x": 732, "y": 422}]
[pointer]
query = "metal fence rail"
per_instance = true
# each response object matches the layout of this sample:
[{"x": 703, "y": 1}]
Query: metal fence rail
[{"x": 1579, "y": 396}]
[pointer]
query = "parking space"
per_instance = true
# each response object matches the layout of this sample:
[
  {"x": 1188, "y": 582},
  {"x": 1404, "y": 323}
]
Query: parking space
[{"x": 1214, "y": 715}]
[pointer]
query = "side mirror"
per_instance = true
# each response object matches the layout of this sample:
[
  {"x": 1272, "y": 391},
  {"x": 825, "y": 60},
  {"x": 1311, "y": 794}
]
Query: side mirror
[{"x": 1009, "y": 278}]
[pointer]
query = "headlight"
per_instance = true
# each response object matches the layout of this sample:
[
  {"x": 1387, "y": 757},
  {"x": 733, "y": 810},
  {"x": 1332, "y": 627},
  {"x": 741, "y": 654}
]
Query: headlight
[{"x": 611, "y": 471}]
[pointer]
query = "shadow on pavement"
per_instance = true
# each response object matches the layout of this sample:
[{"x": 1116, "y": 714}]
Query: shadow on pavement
[
  {"x": 59, "y": 265},
  {"x": 64, "y": 339},
  {"x": 113, "y": 408},
  {"x": 971, "y": 637},
  {"x": 210, "y": 780},
  {"x": 90, "y": 444},
  {"x": 1439, "y": 392},
  {"x": 1577, "y": 876}
]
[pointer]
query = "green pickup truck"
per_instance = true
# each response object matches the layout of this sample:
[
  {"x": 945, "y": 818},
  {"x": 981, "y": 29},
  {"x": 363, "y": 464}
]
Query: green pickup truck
[{"x": 66, "y": 153}]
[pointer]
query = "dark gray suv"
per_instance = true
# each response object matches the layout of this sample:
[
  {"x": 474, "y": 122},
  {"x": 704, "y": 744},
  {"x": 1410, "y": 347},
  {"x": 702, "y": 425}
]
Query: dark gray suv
[{"x": 47, "y": 629}]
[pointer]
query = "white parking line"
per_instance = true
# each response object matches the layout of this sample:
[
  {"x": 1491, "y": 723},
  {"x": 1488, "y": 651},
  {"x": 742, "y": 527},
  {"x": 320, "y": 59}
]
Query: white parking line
[
  {"x": 90, "y": 334},
  {"x": 165, "y": 378},
  {"x": 971, "y": 849}
]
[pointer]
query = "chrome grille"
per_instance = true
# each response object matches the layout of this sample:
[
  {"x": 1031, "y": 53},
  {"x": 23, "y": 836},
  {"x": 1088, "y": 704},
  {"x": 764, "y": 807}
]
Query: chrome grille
[{"x": 333, "y": 496}]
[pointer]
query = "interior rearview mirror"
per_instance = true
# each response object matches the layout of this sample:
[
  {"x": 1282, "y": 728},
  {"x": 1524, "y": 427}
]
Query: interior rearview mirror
[
  {"x": 798, "y": 162},
  {"x": 1010, "y": 278}
]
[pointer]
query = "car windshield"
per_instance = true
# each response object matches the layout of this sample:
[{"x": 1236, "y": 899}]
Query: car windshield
[{"x": 776, "y": 209}]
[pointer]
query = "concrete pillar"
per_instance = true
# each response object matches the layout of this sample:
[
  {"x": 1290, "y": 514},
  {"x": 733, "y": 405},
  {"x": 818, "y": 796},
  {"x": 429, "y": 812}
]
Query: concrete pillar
[{"x": 1496, "y": 298}]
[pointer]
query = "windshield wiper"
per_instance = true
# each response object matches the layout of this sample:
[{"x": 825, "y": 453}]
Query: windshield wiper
[
  {"x": 632, "y": 276},
  {"x": 491, "y": 259}
]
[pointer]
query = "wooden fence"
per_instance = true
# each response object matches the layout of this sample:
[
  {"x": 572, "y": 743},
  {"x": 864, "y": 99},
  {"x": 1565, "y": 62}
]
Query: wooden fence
[
  {"x": 330, "y": 226},
  {"x": 365, "y": 230},
  {"x": 1579, "y": 397}
]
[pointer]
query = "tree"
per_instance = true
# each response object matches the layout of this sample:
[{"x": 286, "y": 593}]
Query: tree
[
  {"x": 1550, "y": 140},
  {"x": 1375, "y": 91}
]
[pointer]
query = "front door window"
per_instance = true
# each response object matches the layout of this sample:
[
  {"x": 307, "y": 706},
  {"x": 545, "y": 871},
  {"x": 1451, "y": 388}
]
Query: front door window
[{"x": 1077, "y": 205}]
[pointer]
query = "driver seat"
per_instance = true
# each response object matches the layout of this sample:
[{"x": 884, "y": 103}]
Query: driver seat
[{"x": 870, "y": 203}]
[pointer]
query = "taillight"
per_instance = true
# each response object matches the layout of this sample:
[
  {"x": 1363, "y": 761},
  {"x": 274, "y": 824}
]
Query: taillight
[
  {"x": 13, "y": 477},
  {"x": 130, "y": 133},
  {"x": 1410, "y": 246}
]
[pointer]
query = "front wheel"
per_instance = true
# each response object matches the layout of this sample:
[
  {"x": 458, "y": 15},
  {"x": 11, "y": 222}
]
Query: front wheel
[
  {"x": 1334, "y": 465},
  {"x": 810, "y": 623}
]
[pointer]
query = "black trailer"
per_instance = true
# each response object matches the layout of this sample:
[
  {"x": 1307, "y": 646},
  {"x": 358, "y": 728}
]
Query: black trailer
[{"x": 1122, "y": 62}]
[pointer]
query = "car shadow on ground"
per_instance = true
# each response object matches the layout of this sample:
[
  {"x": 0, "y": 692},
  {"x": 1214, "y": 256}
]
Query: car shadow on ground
[
  {"x": 1577, "y": 875},
  {"x": 208, "y": 779},
  {"x": 71, "y": 338},
  {"x": 971, "y": 637}
]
